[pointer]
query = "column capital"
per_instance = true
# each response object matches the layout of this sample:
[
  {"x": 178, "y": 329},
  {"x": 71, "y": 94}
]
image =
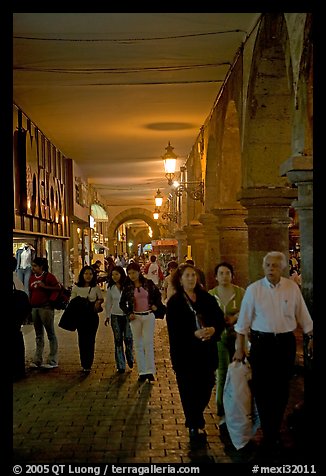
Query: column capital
[
  {"x": 267, "y": 197},
  {"x": 208, "y": 219}
]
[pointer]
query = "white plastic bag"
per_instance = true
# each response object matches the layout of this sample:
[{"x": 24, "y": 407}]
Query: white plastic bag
[{"x": 241, "y": 416}]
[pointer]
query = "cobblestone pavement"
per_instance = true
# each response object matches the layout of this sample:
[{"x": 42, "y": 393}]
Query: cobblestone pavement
[{"x": 64, "y": 416}]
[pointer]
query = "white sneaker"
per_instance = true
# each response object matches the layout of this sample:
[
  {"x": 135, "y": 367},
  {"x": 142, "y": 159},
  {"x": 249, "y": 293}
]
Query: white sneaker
[
  {"x": 34, "y": 366},
  {"x": 49, "y": 366},
  {"x": 221, "y": 421}
]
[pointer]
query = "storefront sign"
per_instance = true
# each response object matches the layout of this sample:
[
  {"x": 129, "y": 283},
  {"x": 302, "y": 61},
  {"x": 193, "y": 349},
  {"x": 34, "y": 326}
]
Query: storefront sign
[{"x": 38, "y": 192}]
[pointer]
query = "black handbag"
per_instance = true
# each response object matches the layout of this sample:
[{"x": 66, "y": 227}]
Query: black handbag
[
  {"x": 77, "y": 310},
  {"x": 160, "y": 311},
  {"x": 68, "y": 320},
  {"x": 73, "y": 313}
]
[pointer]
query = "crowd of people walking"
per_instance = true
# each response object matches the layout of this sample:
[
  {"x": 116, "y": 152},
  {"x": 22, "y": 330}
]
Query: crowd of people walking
[{"x": 207, "y": 329}]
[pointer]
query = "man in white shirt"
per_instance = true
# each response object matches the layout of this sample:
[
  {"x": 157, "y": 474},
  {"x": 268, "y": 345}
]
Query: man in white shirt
[
  {"x": 271, "y": 310},
  {"x": 153, "y": 271}
]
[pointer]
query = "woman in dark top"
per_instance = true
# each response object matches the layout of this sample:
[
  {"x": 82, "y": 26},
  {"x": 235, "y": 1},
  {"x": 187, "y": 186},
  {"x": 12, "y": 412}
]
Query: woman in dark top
[
  {"x": 140, "y": 300},
  {"x": 195, "y": 323}
]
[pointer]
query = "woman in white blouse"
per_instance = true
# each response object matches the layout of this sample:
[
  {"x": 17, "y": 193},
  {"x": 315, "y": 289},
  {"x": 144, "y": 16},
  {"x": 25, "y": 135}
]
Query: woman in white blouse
[
  {"x": 88, "y": 321},
  {"x": 123, "y": 341}
]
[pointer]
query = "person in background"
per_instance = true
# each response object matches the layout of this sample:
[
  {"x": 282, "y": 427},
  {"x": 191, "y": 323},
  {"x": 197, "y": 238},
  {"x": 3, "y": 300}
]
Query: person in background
[
  {"x": 168, "y": 289},
  {"x": 228, "y": 297},
  {"x": 271, "y": 310},
  {"x": 195, "y": 323},
  {"x": 119, "y": 322},
  {"x": 139, "y": 298},
  {"x": 200, "y": 273},
  {"x": 295, "y": 276},
  {"x": 110, "y": 264},
  {"x": 86, "y": 287},
  {"x": 153, "y": 271},
  {"x": 41, "y": 285},
  {"x": 18, "y": 348}
]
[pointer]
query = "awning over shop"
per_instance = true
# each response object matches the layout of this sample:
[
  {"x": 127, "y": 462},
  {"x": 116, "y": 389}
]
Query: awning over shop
[
  {"x": 169, "y": 242},
  {"x": 98, "y": 212},
  {"x": 97, "y": 246}
]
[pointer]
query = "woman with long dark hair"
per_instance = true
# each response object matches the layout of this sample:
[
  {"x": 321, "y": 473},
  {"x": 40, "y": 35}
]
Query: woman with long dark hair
[
  {"x": 228, "y": 297},
  {"x": 87, "y": 325},
  {"x": 139, "y": 299},
  {"x": 195, "y": 323},
  {"x": 119, "y": 321}
]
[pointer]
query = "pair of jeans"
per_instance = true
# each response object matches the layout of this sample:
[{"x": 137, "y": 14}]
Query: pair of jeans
[
  {"x": 24, "y": 274},
  {"x": 123, "y": 341},
  {"x": 43, "y": 318},
  {"x": 143, "y": 328}
]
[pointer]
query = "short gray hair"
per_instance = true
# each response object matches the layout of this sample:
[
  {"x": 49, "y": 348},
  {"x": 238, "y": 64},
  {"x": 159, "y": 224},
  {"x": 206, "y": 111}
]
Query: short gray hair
[{"x": 276, "y": 254}]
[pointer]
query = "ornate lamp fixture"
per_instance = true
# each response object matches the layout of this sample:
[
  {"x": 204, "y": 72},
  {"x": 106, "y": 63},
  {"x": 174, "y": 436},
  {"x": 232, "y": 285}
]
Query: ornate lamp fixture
[
  {"x": 156, "y": 213},
  {"x": 172, "y": 216},
  {"x": 158, "y": 198},
  {"x": 194, "y": 189},
  {"x": 170, "y": 162}
]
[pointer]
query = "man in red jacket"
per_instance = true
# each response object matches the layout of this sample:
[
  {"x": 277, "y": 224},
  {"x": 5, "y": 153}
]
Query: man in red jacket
[{"x": 41, "y": 286}]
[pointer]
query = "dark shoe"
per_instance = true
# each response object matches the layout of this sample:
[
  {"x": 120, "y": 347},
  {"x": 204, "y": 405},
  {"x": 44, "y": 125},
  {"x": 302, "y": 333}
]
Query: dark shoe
[
  {"x": 130, "y": 365},
  {"x": 150, "y": 377},
  {"x": 121, "y": 371},
  {"x": 221, "y": 421},
  {"x": 86, "y": 371},
  {"x": 197, "y": 438},
  {"x": 193, "y": 433},
  {"x": 142, "y": 378}
]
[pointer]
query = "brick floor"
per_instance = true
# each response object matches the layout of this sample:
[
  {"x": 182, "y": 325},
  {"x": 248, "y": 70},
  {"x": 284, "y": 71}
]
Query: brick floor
[{"x": 64, "y": 416}]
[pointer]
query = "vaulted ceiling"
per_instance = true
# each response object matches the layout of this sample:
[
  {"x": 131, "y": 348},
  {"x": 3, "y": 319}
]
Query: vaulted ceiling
[{"x": 110, "y": 90}]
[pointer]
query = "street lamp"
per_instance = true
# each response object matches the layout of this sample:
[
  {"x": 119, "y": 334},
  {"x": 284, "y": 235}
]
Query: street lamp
[
  {"x": 194, "y": 189},
  {"x": 170, "y": 162}
]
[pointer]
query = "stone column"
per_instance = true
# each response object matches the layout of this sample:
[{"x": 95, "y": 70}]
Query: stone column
[
  {"x": 211, "y": 247},
  {"x": 268, "y": 223},
  {"x": 195, "y": 234},
  {"x": 181, "y": 236},
  {"x": 110, "y": 245},
  {"x": 299, "y": 171},
  {"x": 233, "y": 238}
]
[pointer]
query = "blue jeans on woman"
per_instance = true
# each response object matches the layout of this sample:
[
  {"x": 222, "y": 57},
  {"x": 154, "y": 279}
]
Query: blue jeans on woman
[{"x": 122, "y": 335}]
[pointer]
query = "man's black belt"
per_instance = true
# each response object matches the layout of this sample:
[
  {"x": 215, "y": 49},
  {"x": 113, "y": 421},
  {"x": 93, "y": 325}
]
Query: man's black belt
[
  {"x": 143, "y": 313},
  {"x": 269, "y": 334}
]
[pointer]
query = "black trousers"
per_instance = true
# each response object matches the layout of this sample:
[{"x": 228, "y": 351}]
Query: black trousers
[
  {"x": 272, "y": 359},
  {"x": 195, "y": 389},
  {"x": 87, "y": 329},
  {"x": 18, "y": 354}
]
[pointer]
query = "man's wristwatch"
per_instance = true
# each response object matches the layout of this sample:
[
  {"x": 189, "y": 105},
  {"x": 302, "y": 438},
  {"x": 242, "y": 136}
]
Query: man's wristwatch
[{"x": 309, "y": 336}]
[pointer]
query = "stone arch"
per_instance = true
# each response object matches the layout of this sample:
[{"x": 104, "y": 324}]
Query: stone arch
[
  {"x": 266, "y": 194},
  {"x": 211, "y": 180},
  {"x": 302, "y": 143},
  {"x": 133, "y": 213},
  {"x": 267, "y": 135},
  {"x": 230, "y": 167}
]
